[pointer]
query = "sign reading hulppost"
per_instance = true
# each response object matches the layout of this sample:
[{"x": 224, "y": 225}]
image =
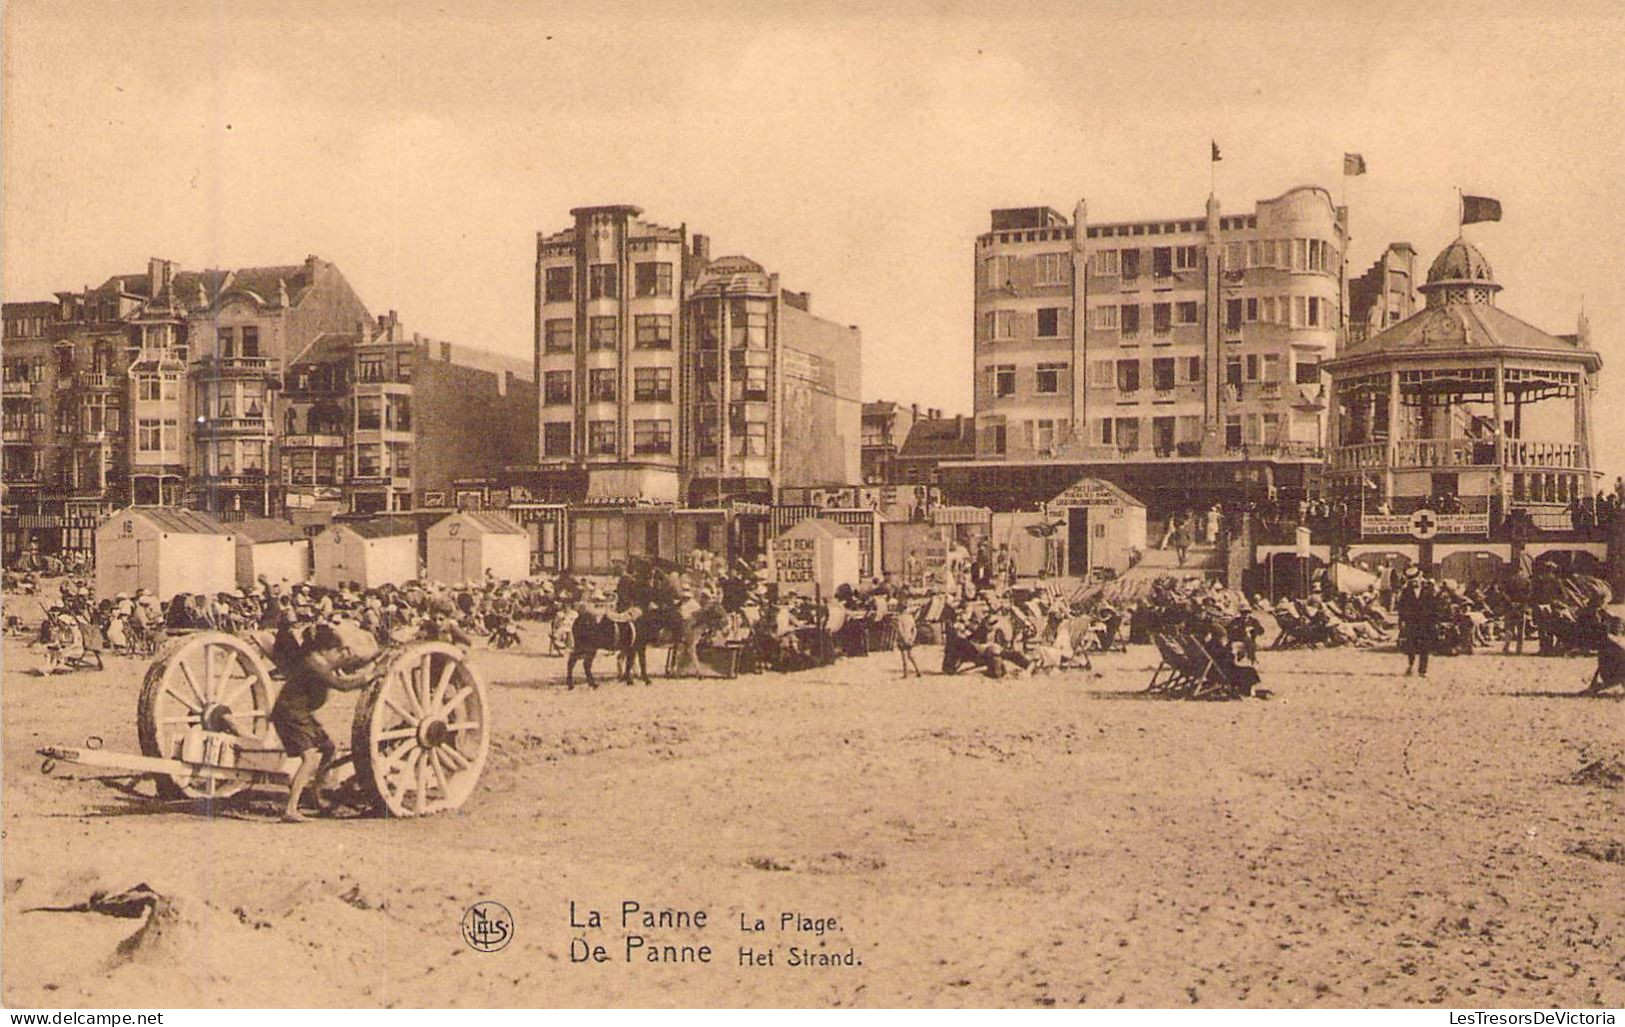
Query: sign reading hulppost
[{"x": 1425, "y": 524}]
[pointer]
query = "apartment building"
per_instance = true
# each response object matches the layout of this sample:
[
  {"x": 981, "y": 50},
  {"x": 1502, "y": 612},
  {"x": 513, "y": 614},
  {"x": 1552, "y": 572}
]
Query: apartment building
[
  {"x": 175, "y": 388},
  {"x": 669, "y": 376},
  {"x": 1176, "y": 357}
]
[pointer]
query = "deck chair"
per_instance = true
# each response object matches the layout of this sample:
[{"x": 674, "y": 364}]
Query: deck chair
[{"x": 1173, "y": 673}]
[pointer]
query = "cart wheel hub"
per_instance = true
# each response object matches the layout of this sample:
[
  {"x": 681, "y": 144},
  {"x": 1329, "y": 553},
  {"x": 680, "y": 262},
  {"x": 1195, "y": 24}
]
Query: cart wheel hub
[
  {"x": 433, "y": 733},
  {"x": 216, "y": 717}
]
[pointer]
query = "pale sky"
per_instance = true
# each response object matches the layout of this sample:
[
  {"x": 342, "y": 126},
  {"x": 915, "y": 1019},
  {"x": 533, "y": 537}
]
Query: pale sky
[{"x": 421, "y": 146}]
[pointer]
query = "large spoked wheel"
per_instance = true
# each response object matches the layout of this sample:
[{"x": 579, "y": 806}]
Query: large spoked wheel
[
  {"x": 207, "y": 682},
  {"x": 422, "y": 731}
]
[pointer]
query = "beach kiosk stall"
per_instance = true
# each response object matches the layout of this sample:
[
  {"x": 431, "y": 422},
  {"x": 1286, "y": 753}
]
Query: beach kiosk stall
[
  {"x": 815, "y": 557},
  {"x": 1097, "y": 525},
  {"x": 471, "y": 546},
  {"x": 371, "y": 553},
  {"x": 275, "y": 550},
  {"x": 164, "y": 551}
]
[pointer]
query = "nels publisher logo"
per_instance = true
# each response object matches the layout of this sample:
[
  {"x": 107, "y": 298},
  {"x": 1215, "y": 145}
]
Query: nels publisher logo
[{"x": 487, "y": 926}]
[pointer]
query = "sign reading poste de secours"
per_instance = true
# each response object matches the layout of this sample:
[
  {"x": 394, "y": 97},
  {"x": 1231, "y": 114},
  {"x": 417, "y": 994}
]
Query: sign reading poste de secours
[{"x": 1425, "y": 524}]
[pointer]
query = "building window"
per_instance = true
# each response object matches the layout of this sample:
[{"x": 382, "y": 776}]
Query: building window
[
  {"x": 653, "y": 279},
  {"x": 749, "y": 438},
  {"x": 998, "y": 439},
  {"x": 559, "y": 334},
  {"x": 1316, "y": 310},
  {"x": 1232, "y": 315},
  {"x": 556, "y": 438},
  {"x": 147, "y": 437},
  {"x": 369, "y": 367},
  {"x": 1004, "y": 380},
  {"x": 1272, "y": 367},
  {"x": 1053, "y": 269},
  {"x": 1162, "y": 318},
  {"x": 1184, "y": 258},
  {"x": 1103, "y": 431},
  {"x": 1103, "y": 374},
  {"x": 601, "y": 438},
  {"x": 1128, "y": 376},
  {"x": 1193, "y": 369},
  {"x": 1049, "y": 322},
  {"x": 601, "y": 332},
  {"x": 1252, "y": 309},
  {"x": 747, "y": 324},
  {"x": 1186, "y": 312},
  {"x": 148, "y": 386},
  {"x": 172, "y": 434},
  {"x": 1232, "y": 431},
  {"x": 999, "y": 324},
  {"x": 1162, "y": 262},
  {"x": 998, "y": 272},
  {"x": 1307, "y": 373},
  {"x": 251, "y": 341},
  {"x": 1127, "y": 430},
  {"x": 651, "y": 436},
  {"x": 1129, "y": 319},
  {"x": 556, "y": 387},
  {"x": 1252, "y": 367},
  {"x": 705, "y": 439},
  {"x": 748, "y": 382},
  {"x": 601, "y": 385},
  {"x": 1049, "y": 379},
  {"x": 1105, "y": 262},
  {"x": 1232, "y": 371},
  {"x": 602, "y": 283},
  {"x": 1130, "y": 261},
  {"x": 1041, "y": 435},
  {"x": 560, "y": 284},
  {"x": 651, "y": 384},
  {"x": 1235, "y": 256},
  {"x": 653, "y": 331},
  {"x": 1103, "y": 319},
  {"x": 1162, "y": 374}
]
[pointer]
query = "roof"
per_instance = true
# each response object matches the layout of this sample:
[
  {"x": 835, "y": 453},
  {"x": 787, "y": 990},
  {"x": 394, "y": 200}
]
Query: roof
[
  {"x": 328, "y": 348},
  {"x": 734, "y": 275},
  {"x": 940, "y": 438},
  {"x": 180, "y": 522},
  {"x": 263, "y": 281},
  {"x": 817, "y": 526},
  {"x": 381, "y": 527},
  {"x": 1087, "y": 491},
  {"x": 1475, "y": 328},
  {"x": 878, "y": 408},
  {"x": 488, "y": 521},
  {"x": 267, "y": 529},
  {"x": 1461, "y": 261}
]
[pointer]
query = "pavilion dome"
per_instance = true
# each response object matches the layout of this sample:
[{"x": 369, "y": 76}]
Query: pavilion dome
[{"x": 1460, "y": 274}]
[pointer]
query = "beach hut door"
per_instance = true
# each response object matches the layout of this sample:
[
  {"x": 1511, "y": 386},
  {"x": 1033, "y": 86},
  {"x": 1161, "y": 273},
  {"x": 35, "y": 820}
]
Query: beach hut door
[{"x": 1077, "y": 541}]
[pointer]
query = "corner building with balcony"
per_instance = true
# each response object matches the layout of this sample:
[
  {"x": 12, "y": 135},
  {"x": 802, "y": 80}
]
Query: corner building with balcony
[
  {"x": 1179, "y": 359},
  {"x": 667, "y": 376}
]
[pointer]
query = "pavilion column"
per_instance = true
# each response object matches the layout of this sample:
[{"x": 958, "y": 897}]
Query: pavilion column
[
  {"x": 1501, "y": 475},
  {"x": 1393, "y": 436},
  {"x": 1582, "y": 433}
]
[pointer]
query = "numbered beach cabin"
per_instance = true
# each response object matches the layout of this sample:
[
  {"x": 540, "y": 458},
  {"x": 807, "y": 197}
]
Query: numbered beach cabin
[
  {"x": 815, "y": 557},
  {"x": 164, "y": 551},
  {"x": 472, "y": 546},
  {"x": 372, "y": 553},
  {"x": 271, "y": 549}
]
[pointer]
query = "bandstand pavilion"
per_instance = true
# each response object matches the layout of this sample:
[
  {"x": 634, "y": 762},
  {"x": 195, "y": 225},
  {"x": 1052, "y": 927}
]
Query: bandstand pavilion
[{"x": 1460, "y": 420}]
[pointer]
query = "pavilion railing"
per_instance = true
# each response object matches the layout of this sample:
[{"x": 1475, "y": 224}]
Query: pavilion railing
[{"x": 1408, "y": 453}]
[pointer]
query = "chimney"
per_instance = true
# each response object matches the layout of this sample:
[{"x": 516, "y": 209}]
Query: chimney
[
  {"x": 914, "y": 411},
  {"x": 702, "y": 247}
]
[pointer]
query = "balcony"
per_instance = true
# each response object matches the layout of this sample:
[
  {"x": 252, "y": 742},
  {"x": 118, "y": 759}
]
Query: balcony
[
  {"x": 233, "y": 426},
  {"x": 97, "y": 380},
  {"x": 18, "y": 388},
  {"x": 236, "y": 367},
  {"x": 17, "y": 434},
  {"x": 313, "y": 441}
]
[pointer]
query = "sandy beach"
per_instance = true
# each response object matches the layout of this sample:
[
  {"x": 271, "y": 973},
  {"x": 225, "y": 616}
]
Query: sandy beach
[{"x": 1357, "y": 839}]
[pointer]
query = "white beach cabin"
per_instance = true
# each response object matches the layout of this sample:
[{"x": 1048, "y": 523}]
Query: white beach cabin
[
  {"x": 470, "y": 546},
  {"x": 164, "y": 551},
  {"x": 371, "y": 553},
  {"x": 271, "y": 549}
]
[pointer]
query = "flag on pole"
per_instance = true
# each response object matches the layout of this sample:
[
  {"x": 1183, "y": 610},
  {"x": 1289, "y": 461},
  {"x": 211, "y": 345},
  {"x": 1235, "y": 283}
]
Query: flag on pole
[
  {"x": 1353, "y": 164},
  {"x": 1216, "y": 157},
  {"x": 1479, "y": 208}
]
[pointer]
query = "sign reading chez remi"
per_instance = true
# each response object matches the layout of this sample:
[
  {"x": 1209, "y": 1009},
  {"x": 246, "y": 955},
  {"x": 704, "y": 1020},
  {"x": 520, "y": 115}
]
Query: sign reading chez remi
[{"x": 794, "y": 559}]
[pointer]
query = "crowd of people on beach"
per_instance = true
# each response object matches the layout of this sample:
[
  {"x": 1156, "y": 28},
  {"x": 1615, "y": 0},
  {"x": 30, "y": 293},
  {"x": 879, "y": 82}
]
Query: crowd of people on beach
[{"x": 975, "y": 608}]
